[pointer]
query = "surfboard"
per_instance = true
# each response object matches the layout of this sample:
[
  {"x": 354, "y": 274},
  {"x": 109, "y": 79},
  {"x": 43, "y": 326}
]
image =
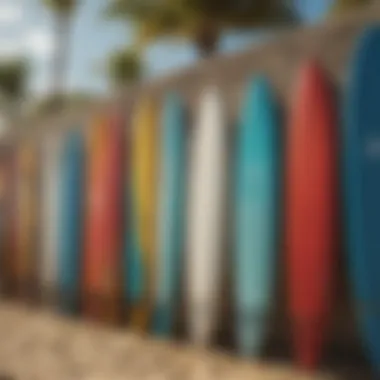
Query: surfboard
[
  {"x": 142, "y": 255},
  {"x": 102, "y": 275},
  {"x": 256, "y": 208},
  {"x": 207, "y": 190},
  {"x": 95, "y": 163},
  {"x": 70, "y": 235},
  {"x": 361, "y": 159},
  {"x": 50, "y": 188},
  {"x": 26, "y": 217},
  {"x": 170, "y": 213},
  {"x": 6, "y": 225},
  {"x": 311, "y": 212},
  {"x": 10, "y": 251}
]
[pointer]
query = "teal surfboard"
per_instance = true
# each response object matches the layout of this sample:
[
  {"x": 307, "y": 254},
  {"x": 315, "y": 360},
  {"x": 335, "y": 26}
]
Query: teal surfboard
[
  {"x": 361, "y": 136},
  {"x": 71, "y": 223},
  {"x": 256, "y": 208},
  {"x": 172, "y": 176}
]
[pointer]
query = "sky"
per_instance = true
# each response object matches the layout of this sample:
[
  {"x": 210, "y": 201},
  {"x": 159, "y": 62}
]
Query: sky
[{"x": 26, "y": 29}]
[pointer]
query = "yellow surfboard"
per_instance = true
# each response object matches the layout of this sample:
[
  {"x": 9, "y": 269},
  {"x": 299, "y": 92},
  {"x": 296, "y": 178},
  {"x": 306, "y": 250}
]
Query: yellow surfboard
[{"x": 144, "y": 204}]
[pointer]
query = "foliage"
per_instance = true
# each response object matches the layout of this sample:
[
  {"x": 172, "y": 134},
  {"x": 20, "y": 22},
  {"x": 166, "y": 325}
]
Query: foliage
[
  {"x": 196, "y": 19},
  {"x": 124, "y": 66},
  {"x": 61, "y": 6},
  {"x": 13, "y": 77},
  {"x": 345, "y": 5}
]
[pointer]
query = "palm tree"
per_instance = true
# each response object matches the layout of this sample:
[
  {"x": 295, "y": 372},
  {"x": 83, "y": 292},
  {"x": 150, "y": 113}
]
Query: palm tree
[
  {"x": 200, "y": 21},
  {"x": 124, "y": 67},
  {"x": 340, "y": 6},
  {"x": 13, "y": 79},
  {"x": 63, "y": 10},
  {"x": 13, "y": 76}
]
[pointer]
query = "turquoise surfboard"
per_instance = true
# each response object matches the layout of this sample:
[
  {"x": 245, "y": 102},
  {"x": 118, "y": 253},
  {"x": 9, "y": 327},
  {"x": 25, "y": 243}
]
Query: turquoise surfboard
[
  {"x": 361, "y": 163},
  {"x": 71, "y": 224},
  {"x": 170, "y": 213},
  {"x": 255, "y": 215}
]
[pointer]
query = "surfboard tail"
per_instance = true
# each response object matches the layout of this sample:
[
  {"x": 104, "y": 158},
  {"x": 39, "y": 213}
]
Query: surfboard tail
[
  {"x": 140, "y": 316},
  {"x": 308, "y": 340},
  {"x": 68, "y": 300},
  {"x": 48, "y": 294},
  {"x": 163, "y": 321},
  {"x": 250, "y": 333},
  {"x": 370, "y": 328},
  {"x": 202, "y": 325}
]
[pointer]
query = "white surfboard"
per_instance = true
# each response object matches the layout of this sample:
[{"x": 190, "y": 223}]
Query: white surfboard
[
  {"x": 207, "y": 186},
  {"x": 50, "y": 216}
]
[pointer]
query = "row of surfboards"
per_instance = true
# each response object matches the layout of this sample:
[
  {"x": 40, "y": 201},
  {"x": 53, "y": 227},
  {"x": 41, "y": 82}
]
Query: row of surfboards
[{"x": 134, "y": 209}]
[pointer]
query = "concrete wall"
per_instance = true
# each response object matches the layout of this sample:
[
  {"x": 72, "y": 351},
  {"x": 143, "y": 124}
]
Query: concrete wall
[{"x": 331, "y": 43}]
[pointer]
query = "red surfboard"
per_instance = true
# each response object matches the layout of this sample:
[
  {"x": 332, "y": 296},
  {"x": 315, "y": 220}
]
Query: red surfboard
[
  {"x": 311, "y": 233},
  {"x": 102, "y": 262}
]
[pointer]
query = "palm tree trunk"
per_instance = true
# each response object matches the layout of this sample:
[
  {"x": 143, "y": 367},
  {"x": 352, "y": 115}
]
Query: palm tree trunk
[
  {"x": 61, "y": 56},
  {"x": 207, "y": 38}
]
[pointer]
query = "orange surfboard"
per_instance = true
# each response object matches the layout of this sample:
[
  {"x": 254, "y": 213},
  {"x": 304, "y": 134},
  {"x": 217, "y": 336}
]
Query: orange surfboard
[
  {"x": 102, "y": 261},
  {"x": 311, "y": 234},
  {"x": 26, "y": 220}
]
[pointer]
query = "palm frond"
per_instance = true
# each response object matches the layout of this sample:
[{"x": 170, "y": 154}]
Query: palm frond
[
  {"x": 65, "y": 6},
  {"x": 340, "y": 6},
  {"x": 160, "y": 18},
  {"x": 124, "y": 66}
]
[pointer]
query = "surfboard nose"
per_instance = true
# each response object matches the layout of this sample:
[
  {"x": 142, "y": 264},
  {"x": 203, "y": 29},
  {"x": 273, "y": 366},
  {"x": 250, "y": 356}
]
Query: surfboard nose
[
  {"x": 370, "y": 35},
  {"x": 258, "y": 91},
  {"x": 307, "y": 344},
  {"x": 311, "y": 74}
]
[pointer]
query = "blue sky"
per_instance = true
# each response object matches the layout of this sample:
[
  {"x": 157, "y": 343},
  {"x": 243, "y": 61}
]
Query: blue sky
[{"x": 26, "y": 29}]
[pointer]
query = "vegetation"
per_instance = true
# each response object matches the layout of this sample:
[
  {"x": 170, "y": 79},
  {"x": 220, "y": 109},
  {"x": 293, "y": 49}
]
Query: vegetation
[
  {"x": 13, "y": 77},
  {"x": 124, "y": 67},
  {"x": 196, "y": 20},
  {"x": 340, "y": 6}
]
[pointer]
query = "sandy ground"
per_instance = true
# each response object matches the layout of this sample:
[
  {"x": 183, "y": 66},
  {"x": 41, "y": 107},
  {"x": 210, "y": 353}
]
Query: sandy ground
[{"x": 39, "y": 345}]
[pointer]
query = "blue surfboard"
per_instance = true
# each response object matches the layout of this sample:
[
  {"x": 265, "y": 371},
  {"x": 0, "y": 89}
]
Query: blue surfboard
[
  {"x": 71, "y": 224},
  {"x": 170, "y": 213},
  {"x": 255, "y": 215},
  {"x": 361, "y": 163}
]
